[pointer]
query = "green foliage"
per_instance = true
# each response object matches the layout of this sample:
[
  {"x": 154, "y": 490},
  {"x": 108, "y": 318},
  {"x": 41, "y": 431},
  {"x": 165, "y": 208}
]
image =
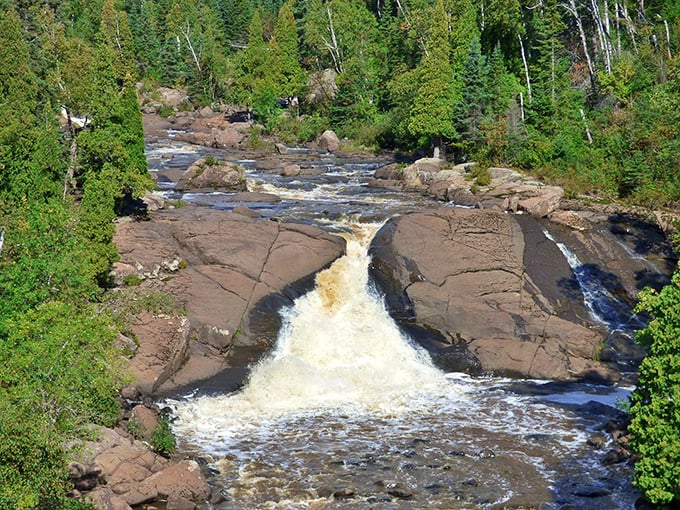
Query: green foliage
[
  {"x": 132, "y": 280},
  {"x": 289, "y": 79},
  {"x": 162, "y": 440},
  {"x": 431, "y": 117},
  {"x": 58, "y": 372},
  {"x": 654, "y": 410}
]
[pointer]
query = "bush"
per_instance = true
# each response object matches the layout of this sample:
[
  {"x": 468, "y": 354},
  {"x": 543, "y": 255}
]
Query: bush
[
  {"x": 655, "y": 409},
  {"x": 58, "y": 373},
  {"x": 162, "y": 439},
  {"x": 132, "y": 280}
]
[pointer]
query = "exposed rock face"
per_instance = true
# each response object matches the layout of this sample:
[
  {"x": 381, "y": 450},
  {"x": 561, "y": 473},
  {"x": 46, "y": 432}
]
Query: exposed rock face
[
  {"x": 203, "y": 174},
  {"x": 508, "y": 190},
  {"x": 457, "y": 278},
  {"x": 231, "y": 273}
]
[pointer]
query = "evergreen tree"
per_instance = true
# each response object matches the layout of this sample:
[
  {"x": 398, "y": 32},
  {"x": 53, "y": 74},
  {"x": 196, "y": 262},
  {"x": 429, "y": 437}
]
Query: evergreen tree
[
  {"x": 28, "y": 142},
  {"x": 475, "y": 100},
  {"x": 289, "y": 78},
  {"x": 143, "y": 25},
  {"x": 256, "y": 88},
  {"x": 116, "y": 33},
  {"x": 431, "y": 117}
]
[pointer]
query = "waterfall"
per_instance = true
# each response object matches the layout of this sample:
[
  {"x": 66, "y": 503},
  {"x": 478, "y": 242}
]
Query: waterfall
[
  {"x": 338, "y": 347},
  {"x": 603, "y": 307}
]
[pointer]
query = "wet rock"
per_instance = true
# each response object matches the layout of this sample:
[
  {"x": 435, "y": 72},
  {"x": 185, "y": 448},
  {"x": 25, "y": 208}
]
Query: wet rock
[
  {"x": 615, "y": 456},
  {"x": 291, "y": 171},
  {"x": 487, "y": 453},
  {"x": 345, "y": 492},
  {"x": 401, "y": 492},
  {"x": 246, "y": 211},
  {"x": 179, "y": 503},
  {"x": 254, "y": 197},
  {"x": 591, "y": 491},
  {"x": 597, "y": 441},
  {"x": 239, "y": 273}
]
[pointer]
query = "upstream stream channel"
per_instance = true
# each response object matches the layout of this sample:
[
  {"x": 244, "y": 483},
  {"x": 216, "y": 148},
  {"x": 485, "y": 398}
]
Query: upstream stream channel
[{"x": 347, "y": 412}]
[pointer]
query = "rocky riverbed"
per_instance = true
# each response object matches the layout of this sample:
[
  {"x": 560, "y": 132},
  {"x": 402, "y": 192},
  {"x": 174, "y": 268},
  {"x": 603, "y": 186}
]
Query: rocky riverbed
[{"x": 486, "y": 289}]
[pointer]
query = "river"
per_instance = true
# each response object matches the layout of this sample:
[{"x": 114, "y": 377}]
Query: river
[{"x": 346, "y": 412}]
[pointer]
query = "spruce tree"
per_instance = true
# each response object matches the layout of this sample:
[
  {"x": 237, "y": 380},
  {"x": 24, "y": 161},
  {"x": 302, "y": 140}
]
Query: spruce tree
[
  {"x": 472, "y": 108},
  {"x": 289, "y": 76},
  {"x": 431, "y": 117}
]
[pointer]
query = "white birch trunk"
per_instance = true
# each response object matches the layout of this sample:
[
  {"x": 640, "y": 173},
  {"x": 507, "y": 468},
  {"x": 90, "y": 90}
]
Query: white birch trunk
[
  {"x": 187, "y": 35},
  {"x": 571, "y": 7},
  {"x": 526, "y": 66},
  {"x": 585, "y": 125}
]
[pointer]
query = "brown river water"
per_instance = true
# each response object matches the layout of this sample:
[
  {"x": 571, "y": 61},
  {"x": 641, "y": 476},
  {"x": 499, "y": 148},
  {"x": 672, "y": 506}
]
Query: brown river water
[{"x": 346, "y": 412}]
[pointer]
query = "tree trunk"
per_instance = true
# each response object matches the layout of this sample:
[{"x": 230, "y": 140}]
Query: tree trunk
[
  {"x": 526, "y": 65},
  {"x": 438, "y": 147}
]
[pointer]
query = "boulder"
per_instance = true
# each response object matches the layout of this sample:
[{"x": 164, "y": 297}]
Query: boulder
[
  {"x": 570, "y": 219},
  {"x": 182, "y": 480},
  {"x": 329, "y": 141},
  {"x": 236, "y": 274},
  {"x": 392, "y": 171},
  {"x": 459, "y": 281},
  {"x": 322, "y": 87},
  {"x": 206, "y": 174},
  {"x": 291, "y": 170},
  {"x": 103, "y": 498},
  {"x": 144, "y": 421},
  {"x": 226, "y": 138},
  {"x": 545, "y": 202},
  {"x": 172, "y": 97}
]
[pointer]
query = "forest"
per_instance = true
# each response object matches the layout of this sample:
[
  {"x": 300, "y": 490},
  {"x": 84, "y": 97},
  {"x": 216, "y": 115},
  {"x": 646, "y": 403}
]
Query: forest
[{"x": 582, "y": 93}]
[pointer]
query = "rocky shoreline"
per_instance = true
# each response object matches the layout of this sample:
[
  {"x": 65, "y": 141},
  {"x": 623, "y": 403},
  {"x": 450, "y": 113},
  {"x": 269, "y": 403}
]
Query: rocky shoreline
[{"x": 475, "y": 286}]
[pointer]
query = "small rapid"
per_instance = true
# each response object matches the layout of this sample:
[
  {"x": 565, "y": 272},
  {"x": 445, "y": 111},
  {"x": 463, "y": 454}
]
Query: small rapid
[{"x": 604, "y": 308}]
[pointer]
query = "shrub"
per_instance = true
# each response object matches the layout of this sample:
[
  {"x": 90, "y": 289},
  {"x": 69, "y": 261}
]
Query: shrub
[
  {"x": 654, "y": 410},
  {"x": 132, "y": 280},
  {"x": 162, "y": 440}
]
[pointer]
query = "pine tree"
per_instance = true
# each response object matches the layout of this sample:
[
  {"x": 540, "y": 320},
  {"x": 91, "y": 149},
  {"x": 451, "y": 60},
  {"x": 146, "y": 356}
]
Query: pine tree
[
  {"x": 116, "y": 33},
  {"x": 474, "y": 104},
  {"x": 431, "y": 117},
  {"x": 142, "y": 21},
  {"x": 289, "y": 79}
]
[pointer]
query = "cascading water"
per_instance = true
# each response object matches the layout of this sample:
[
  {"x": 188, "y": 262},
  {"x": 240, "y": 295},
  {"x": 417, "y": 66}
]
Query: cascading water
[
  {"x": 603, "y": 307},
  {"x": 347, "y": 413}
]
